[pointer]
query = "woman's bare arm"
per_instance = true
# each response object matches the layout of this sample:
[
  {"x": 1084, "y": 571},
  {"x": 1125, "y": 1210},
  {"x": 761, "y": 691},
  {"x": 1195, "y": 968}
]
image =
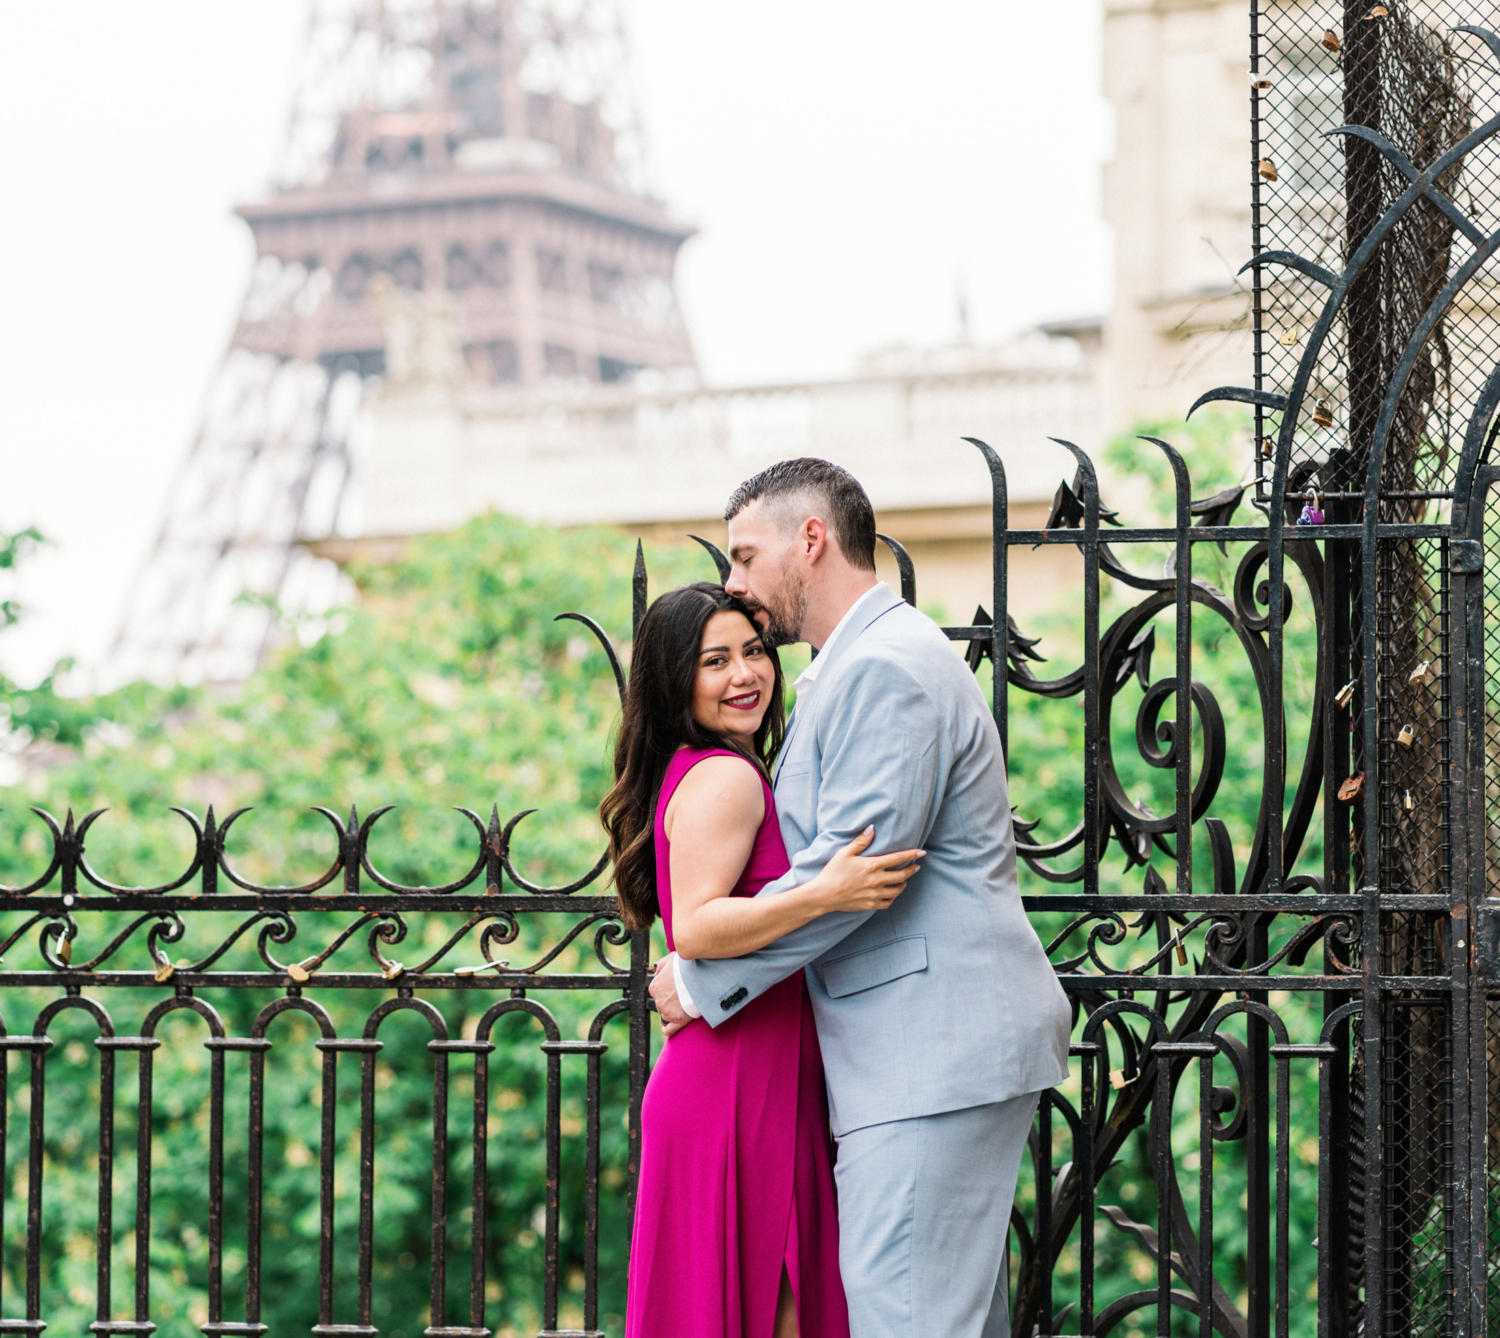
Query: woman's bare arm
[{"x": 711, "y": 822}]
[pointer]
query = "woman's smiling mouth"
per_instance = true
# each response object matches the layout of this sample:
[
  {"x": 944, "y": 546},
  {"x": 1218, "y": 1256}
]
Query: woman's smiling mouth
[{"x": 748, "y": 702}]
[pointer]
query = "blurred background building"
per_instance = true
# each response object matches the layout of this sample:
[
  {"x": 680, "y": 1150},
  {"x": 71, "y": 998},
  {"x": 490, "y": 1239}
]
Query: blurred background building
[{"x": 464, "y": 300}]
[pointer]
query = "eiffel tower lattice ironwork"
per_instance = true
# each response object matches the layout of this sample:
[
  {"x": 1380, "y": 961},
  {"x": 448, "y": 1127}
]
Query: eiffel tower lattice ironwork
[{"x": 462, "y": 196}]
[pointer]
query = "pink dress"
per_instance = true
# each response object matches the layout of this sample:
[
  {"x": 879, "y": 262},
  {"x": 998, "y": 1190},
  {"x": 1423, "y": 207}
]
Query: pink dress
[{"x": 736, "y": 1180}]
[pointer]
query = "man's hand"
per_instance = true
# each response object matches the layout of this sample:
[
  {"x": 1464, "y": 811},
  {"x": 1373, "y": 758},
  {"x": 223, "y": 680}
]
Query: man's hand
[{"x": 664, "y": 990}]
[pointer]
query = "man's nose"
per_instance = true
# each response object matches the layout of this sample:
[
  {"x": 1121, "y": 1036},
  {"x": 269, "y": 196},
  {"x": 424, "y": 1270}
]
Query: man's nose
[{"x": 736, "y": 585}]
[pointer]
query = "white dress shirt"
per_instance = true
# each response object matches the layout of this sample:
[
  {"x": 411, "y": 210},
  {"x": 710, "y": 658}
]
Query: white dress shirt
[{"x": 803, "y": 684}]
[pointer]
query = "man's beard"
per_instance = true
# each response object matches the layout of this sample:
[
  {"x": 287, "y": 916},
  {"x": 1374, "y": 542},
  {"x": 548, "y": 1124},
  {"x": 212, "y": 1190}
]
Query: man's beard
[{"x": 785, "y": 608}]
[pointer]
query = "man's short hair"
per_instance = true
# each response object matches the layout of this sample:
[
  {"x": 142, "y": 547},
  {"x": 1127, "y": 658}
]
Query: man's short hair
[{"x": 832, "y": 494}]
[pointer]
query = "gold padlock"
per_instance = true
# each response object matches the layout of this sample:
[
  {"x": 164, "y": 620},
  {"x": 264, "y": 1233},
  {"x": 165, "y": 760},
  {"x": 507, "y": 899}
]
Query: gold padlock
[
  {"x": 1267, "y": 169},
  {"x": 1331, "y": 41},
  {"x": 1407, "y": 737},
  {"x": 1422, "y": 675},
  {"x": 1407, "y": 802},
  {"x": 1344, "y": 695},
  {"x": 299, "y": 972},
  {"x": 393, "y": 971},
  {"x": 164, "y": 973},
  {"x": 1322, "y": 414},
  {"x": 1181, "y": 951},
  {"x": 1118, "y": 1080},
  {"x": 1291, "y": 336},
  {"x": 1267, "y": 447}
]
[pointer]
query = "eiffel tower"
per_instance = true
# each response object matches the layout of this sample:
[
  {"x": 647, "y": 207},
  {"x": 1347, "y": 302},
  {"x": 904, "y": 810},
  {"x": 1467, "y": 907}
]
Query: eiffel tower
[{"x": 476, "y": 164}]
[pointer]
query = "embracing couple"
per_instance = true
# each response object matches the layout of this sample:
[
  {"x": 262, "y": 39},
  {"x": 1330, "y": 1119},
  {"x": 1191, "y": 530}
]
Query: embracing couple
[{"x": 848, "y": 947}]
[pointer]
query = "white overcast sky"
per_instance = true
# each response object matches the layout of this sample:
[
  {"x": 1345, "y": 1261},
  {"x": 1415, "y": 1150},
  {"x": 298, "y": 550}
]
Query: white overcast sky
[{"x": 851, "y": 164}]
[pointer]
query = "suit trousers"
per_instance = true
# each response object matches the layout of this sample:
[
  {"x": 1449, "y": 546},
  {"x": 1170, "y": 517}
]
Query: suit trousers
[{"x": 924, "y": 1210}]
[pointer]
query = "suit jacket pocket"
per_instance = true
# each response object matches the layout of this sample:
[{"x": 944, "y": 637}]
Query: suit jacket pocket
[{"x": 874, "y": 966}]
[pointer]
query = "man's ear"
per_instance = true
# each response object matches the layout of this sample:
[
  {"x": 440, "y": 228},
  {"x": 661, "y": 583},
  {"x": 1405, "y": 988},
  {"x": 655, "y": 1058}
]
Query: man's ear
[{"x": 814, "y": 538}]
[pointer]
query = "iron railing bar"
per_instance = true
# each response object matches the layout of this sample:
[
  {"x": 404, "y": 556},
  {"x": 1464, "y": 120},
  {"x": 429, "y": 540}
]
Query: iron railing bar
[
  {"x": 1161, "y": 1127},
  {"x": 1249, "y": 534},
  {"x": 104, "y": 1231},
  {"x": 255, "y": 1185},
  {"x": 1042, "y": 1168},
  {"x": 1293, "y": 903},
  {"x": 1205, "y": 1194},
  {"x": 488, "y": 983},
  {"x": 552, "y": 1220},
  {"x": 439, "y": 1275},
  {"x": 144, "y": 1120},
  {"x": 1205, "y": 984},
  {"x": 1084, "y": 1154},
  {"x": 479, "y": 1189},
  {"x": 216, "y": 1186},
  {"x": 363, "y": 1298},
  {"x": 35, "y": 1154}
]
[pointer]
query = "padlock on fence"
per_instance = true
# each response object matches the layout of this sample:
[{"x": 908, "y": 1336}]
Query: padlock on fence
[{"x": 1312, "y": 511}]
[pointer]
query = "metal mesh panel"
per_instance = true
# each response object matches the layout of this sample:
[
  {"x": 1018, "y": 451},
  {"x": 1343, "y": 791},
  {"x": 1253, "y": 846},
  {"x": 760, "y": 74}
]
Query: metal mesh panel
[
  {"x": 1492, "y": 729},
  {"x": 1423, "y": 86},
  {"x": 1401, "y": 70},
  {"x": 1416, "y": 836},
  {"x": 1417, "y": 1179}
]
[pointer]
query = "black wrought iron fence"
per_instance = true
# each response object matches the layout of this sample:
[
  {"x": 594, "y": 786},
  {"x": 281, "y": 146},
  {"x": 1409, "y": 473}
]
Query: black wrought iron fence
[{"x": 103, "y": 952}]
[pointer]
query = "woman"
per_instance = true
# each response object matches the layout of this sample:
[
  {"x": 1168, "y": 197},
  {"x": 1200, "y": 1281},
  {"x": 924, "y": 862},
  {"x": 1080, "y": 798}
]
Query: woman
[{"x": 736, "y": 1229}]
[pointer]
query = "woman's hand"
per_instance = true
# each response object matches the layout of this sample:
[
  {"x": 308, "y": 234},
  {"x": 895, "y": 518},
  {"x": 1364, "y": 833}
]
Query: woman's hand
[{"x": 853, "y": 881}]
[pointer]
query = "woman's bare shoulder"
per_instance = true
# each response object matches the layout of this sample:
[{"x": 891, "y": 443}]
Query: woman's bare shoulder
[{"x": 725, "y": 785}]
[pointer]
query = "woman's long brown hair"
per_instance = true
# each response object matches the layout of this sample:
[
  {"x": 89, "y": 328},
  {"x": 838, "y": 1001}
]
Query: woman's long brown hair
[{"x": 658, "y": 719}]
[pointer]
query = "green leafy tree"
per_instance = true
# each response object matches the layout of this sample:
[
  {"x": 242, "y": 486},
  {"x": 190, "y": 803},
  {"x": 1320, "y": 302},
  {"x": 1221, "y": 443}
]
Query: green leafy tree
[{"x": 449, "y": 684}]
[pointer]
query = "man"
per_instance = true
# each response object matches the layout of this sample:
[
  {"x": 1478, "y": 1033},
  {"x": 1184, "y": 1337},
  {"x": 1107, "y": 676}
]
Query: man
[{"x": 940, "y": 1018}]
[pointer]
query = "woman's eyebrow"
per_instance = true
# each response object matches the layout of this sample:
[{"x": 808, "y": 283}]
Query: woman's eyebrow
[
  {"x": 715, "y": 650},
  {"x": 752, "y": 641}
]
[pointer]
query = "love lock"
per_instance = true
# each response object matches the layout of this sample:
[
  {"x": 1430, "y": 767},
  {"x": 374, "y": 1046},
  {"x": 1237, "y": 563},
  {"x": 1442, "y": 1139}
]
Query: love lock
[
  {"x": 1351, "y": 790},
  {"x": 1407, "y": 736},
  {"x": 1344, "y": 695},
  {"x": 1422, "y": 675},
  {"x": 1407, "y": 802},
  {"x": 302, "y": 971},
  {"x": 1312, "y": 512},
  {"x": 1323, "y": 414}
]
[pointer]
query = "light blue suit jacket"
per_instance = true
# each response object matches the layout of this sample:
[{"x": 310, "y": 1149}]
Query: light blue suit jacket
[{"x": 946, "y": 999}]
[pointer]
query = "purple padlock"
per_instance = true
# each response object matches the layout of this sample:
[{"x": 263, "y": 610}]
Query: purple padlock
[{"x": 1312, "y": 511}]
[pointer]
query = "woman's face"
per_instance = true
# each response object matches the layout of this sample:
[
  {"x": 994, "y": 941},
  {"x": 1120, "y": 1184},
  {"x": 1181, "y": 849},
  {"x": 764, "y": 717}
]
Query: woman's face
[{"x": 735, "y": 678}]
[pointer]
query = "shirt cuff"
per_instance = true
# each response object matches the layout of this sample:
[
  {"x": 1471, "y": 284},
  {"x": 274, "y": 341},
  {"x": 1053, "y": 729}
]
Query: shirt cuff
[{"x": 683, "y": 996}]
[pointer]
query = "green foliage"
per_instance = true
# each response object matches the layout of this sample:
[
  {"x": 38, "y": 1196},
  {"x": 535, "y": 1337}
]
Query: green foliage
[
  {"x": 39, "y": 713},
  {"x": 450, "y": 684},
  {"x": 14, "y": 548}
]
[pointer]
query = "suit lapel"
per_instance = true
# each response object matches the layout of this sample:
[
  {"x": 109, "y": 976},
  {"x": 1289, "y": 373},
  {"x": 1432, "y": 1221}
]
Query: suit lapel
[{"x": 880, "y": 602}]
